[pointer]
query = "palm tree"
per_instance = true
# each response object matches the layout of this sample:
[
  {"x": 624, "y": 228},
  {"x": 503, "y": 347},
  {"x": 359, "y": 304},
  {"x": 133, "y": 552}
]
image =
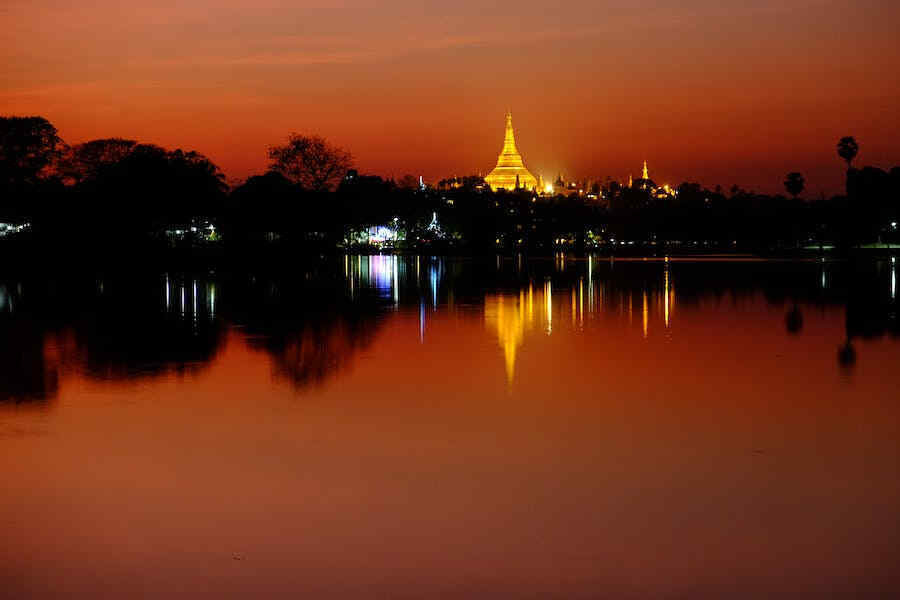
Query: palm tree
[
  {"x": 847, "y": 148},
  {"x": 794, "y": 184}
]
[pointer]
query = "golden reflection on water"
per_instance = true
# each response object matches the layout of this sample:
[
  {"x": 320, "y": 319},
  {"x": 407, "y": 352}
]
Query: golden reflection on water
[
  {"x": 517, "y": 434},
  {"x": 506, "y": 317},
  {"x": 510, "y": 316}
]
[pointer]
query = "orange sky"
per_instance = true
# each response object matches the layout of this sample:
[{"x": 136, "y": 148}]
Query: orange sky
[{"x": 719, "y": 92}]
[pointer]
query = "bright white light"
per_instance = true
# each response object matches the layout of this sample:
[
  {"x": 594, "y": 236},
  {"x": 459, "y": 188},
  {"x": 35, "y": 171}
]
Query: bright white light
[
  {"x": 893, "y": 281},
  {"x": 381, "y": 274}
]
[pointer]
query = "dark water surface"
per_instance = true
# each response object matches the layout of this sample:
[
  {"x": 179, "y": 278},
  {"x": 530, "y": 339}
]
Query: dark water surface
[{"x": 435, "y": 428}]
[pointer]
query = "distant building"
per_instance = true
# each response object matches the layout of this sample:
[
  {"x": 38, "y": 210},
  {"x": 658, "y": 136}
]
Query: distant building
[
  {"x": 510, "y": 172},
  {"x": 645, "y": 183}
]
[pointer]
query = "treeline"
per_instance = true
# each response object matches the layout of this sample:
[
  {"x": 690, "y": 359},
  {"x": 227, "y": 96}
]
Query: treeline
[{"x": 119, "y": 195}]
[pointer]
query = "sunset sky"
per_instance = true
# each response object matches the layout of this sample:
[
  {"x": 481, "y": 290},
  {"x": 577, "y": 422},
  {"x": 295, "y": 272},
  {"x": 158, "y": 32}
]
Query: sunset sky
[{"x": 715, "y": 91}]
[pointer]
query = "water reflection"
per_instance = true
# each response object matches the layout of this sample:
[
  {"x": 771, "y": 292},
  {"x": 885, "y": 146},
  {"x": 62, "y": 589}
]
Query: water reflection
[
  {"x": 27, "y": 372},
  {"x": 309, "y": 328},
  {"x": 315, "y": 323},
  {"x": 561, "y": 427},
  {"x": 506, "y": 316}
]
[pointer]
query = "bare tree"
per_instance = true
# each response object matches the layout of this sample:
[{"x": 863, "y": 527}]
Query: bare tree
[{"x": 310, "y": 161}]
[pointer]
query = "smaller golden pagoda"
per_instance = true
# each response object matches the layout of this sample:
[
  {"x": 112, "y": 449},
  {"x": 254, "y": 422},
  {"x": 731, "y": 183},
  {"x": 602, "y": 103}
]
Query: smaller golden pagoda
[{"x": 510, "y": 172}]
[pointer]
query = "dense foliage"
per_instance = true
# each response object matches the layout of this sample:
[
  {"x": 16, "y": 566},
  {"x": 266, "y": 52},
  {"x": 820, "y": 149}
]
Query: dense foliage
[{"x": 121, "y": 193}]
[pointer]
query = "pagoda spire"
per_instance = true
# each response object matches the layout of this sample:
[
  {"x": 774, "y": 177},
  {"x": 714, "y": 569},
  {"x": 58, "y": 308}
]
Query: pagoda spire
[
  {"x": 509, "y": 139},
  {"x": 510, "y": 170}
]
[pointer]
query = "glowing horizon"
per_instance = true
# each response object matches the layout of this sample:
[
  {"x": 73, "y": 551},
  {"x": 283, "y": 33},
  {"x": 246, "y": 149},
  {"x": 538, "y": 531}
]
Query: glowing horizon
[{"x": 710, "y": 93}]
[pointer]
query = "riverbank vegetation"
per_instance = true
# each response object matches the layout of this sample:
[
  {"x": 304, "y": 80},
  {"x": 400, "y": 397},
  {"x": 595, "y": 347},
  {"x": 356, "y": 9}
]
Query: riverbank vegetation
[{"x": 122, "y": 196}]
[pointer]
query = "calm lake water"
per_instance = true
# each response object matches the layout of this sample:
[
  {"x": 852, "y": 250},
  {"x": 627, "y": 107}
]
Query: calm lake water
[{"x": 433, "y": 428}]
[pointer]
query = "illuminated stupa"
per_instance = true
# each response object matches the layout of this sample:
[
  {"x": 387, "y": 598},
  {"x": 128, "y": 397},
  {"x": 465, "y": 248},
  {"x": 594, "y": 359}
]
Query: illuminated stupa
[{"x": 510, "y": 172}]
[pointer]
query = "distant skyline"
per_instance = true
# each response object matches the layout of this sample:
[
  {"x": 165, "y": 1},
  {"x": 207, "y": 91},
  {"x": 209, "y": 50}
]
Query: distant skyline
[{"x": 709, "y": 91}]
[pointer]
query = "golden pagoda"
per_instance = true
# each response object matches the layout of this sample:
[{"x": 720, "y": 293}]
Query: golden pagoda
[{"x": 510, "y": 172}]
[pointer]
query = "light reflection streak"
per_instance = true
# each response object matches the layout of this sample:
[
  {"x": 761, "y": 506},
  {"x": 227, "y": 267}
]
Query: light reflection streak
[
  {"x": 434, "y": 286},
  {"x": 573, "y": 307},
  {"x": 530, "y": 301},
  {"x": 644, "y": 313},
  {"x": 422, "y": 322},
  {"x": 893, "y": 278},
  {"x": 504, "y": 314},
  {"x": 548, "y": 292},
  {"x": 581, "y": 302},
  {"x": 590, "y": 274},
  {"x": 630, "y": 309},
  {"x": 505, "y": 322},
  {"x": 395, "y": 280},
  {"x": 666, "y": 295},
  {"x": 672, "y": 301}
]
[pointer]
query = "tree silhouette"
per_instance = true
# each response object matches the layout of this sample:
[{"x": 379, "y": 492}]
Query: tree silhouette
[
  {"x": 847, "y": 148},
  {"x": 408, "y": 182},
  {"x": 310, "y": 161},
  {"x": 88, "y": 160},
  {"x": 28, "y": 145},
  {"x": 794, "y": 184},
  {"x": 29, "y": 154},
  {"x": 145, "y": 191}
]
